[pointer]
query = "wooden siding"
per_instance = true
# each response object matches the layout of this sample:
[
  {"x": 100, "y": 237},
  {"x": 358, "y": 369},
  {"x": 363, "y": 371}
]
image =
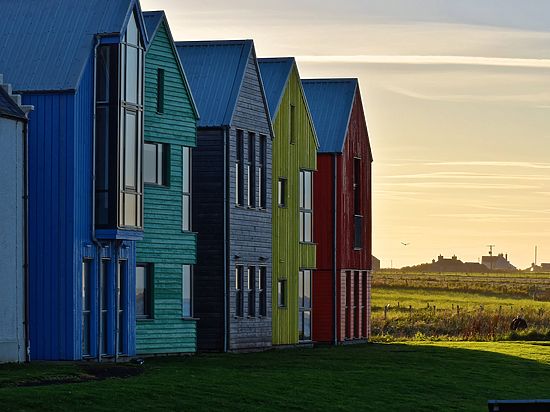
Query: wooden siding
[
  {"x": 208, "y": 222},
  {"x": 165, "y": 246},
  {"x": 289, "y": 255},
  {"x": 347, "y": 258},
  {"x": 250, "y": 228}
]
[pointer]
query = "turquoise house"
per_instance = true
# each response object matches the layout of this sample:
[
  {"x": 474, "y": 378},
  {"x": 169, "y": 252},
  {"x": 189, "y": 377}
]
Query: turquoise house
[{"x": 167, "y": 253}]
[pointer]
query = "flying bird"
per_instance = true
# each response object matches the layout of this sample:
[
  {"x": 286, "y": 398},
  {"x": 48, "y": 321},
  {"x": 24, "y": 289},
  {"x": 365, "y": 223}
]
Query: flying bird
[{"x": 405, "y": 244}]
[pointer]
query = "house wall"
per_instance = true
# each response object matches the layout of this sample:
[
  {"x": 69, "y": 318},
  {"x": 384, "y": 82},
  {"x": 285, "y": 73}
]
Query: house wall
[
  {"x": 289, "y": 255},
  {"x": 165, "y": 245},
  {"x": 250, "y": 229},
  {"x": 209, "y": 223},
  {"x": 12, "y": 298}
]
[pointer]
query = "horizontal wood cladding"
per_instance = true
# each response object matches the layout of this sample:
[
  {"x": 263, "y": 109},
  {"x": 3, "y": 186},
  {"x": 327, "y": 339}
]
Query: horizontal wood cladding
[
  {"x": 289, "y": 256},
  {"x": 165, "y": 246},
  {"x": 250, "y": 228},
  {"x": 208, "y": 222}
]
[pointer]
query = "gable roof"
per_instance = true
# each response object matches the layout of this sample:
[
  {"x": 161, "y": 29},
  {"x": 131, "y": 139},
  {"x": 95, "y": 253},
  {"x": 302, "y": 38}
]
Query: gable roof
[
  {"x": 276, "y": 74},
  {"x": 46, "y": 44},
  {"x": 8, "y": 107},
  {"x": 216, "y": 71},
  {"x": 331, "y": 104},
  {"x": 153, "y": 20}
]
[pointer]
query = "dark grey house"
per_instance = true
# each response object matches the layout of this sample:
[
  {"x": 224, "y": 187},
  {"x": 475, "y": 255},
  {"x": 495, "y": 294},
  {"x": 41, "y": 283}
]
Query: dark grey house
[{"x": 232, "y": 196}]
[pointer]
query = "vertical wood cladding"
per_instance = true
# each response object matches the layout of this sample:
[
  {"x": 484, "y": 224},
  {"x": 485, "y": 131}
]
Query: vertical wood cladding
[
  {"x": 353, "y": 310},
  {"x": 289, "y": 255},
  {"x": 165, "y": 245}
]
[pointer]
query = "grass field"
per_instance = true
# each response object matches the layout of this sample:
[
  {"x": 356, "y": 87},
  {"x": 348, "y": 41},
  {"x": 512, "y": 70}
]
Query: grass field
[
  {"x": 438, "y": 376},
  {"x": 460, "y": 306}
]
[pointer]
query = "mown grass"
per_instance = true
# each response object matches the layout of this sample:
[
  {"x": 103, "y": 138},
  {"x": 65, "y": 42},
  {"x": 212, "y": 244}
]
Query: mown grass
[
  {"x": 442, "y": 376},
  {"x": 452, "y": 306}
]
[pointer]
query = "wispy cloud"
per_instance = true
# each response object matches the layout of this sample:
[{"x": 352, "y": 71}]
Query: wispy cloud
[
  {"x": 437, "y": 60},
  {"x": 460, "y": 185},
  {"x": 530, "y": 165}
]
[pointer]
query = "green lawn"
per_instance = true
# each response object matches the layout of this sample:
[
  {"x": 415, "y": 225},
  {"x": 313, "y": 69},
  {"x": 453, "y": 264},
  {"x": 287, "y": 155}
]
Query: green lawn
[{"x": 437, "y": 376}]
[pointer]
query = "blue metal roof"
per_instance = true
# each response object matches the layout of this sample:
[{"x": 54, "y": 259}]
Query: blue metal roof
[
  {"x": 46, "y": 44},
  {"x": 215, "y": 70},
  {"x": 8, "y": 107},
  {"x": 153, "y": 19},
  {"x": 275, "y": 74},
  {"x": 330, "y": 102}
]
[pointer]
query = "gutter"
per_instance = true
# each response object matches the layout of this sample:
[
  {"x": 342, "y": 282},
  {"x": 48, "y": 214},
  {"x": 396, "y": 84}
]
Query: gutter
[
  {"x": 26, "y": 235},
  {"x": 334, "y": 244}
]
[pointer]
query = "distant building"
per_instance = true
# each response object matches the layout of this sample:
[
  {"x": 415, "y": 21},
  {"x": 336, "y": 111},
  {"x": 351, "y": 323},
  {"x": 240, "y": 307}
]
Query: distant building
[
  {"x": 375, "y": 263},
  {"x": 545, "y": 267},
  {"x": 453, "y": 264},
  {"x": 499, "y": 262}
]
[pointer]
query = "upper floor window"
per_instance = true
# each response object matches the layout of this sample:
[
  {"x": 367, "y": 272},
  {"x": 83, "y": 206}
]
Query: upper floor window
[
  {"x": 251, "y": 170},
  {"x": 292, "y": 124},
  {"x": 281, "y": 192},
  {"x": 186, "y": 188},
  {"x": 262, "y": 182},
  {"x": 118, "y": 127},
  {"x": 155, "y": 163},
  {"x": 357, "y": 203},
  {"x": 160, "y": 90},
  {"x": 306, "y": 206},
  {"x": 239, "y": 169}
]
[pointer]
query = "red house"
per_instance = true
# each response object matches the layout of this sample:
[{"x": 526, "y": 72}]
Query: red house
[{"x": 343, "y": 212}]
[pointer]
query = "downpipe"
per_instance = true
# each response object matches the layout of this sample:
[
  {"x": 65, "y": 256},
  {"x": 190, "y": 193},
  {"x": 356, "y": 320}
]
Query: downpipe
[{"x": 334, "y": 244}]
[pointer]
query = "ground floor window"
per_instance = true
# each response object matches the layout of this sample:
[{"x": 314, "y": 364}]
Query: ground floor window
[
  {"x": 86, "y": 306},
  {"x": 239, "y": 301},
  {"x": 262, "y": 295},
  {"x": 251, "y": 283},
  {"x": 304, "y": 305},
  {"x": 281, "y": 293},
  {"x": 144, "y": 278},
  {"x": 187, "y": 291}
]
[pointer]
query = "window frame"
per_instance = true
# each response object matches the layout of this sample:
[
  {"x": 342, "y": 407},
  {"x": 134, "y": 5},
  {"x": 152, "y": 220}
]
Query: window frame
[
  {"x": 185, "y": 315},
  {"x": 189, "y": 193},
  {"x": 305, "y": 304},
  {"x": 306, "y": 211},
  {"x": 239, "y": 293},
  {"x": 160, "y": 90},
  {"x": 282, "y": 293},
  {"x": 239, "y": 168},
  {"x": 262, "y": 291},
  {"x": 162, "y": 159},
  {"x": 251, "y": 288},
  {"x": 251, "y": 171},
  {"x": 148, "y": 296},
  {"x": 292, "y": 119},
  {"x": 282, "y": 192},
  {"x": 262, "y": 172}
]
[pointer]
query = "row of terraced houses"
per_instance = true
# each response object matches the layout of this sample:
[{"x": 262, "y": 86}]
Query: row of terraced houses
[{"x": 163, "y": 197}]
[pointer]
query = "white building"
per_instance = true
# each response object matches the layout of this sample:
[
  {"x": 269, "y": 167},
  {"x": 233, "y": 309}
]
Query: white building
[{"x": 13, "y": 122}]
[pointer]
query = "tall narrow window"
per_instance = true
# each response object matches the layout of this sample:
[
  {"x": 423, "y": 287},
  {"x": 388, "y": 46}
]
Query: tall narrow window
[
  {"x": 262, "y": 182},
  {"x": 364, "y": 303},
  {"x": 306, "y": 206},
  {"x": 356, "y": 306},
  {"x": 292, "y": 124},
  {"x": 160, "y": 90},
  {"x": 239, "y": 301},
  {"x": 304, "y": 304},
  {"x": 348, "y": 305},
  {"x": 186, "y": 189},
  {"x": 86, "y": 306},
  {"x": 251, "y": 284},
  {"x": 262, "y": 295},
  {"x": 120, "y": 300},
  {"x": 187, "y": 291},
  {"x": 103, "y": 305},
  {"x": 155, "y": 163},
  {"x": 239, "y": 169},
  {"x": 251, "y": 170},
  {"x": 281, "y": 293},
  {"x": 144, "y": 275},
  {"x": 358, "y": 215},
  {"x": 281, "y": 192}
]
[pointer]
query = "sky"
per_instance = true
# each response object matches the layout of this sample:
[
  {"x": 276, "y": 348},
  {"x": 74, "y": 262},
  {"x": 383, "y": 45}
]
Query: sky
[{"x": 457, "y": 100}]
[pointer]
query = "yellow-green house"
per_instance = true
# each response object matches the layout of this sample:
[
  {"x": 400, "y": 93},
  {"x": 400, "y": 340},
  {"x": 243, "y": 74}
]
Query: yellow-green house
[{"x": 294, "y": 162}]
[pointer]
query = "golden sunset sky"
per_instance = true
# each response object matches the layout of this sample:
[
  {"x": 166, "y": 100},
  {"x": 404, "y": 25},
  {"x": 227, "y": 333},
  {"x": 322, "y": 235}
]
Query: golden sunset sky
[{"x": 457, "y": 98}]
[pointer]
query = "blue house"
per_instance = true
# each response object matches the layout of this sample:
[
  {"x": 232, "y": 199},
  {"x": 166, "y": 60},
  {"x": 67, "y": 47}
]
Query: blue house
[
  {"x": 80, "y": 63},
  {"x": 232, "y": 196}
]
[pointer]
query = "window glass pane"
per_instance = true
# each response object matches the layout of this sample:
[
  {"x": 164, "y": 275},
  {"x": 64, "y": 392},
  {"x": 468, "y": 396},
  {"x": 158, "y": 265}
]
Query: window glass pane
[
  {"x": 186, "y": 216},
  {"x": 186, "y": 169},
  {"x": 282, "y": 192},
  {"x": 307, "y": 190},
  {"x": 301, "y": 226},
  {"x": 141, "y": 291},
  {"x": 130, "y": 210},
  {"x": 301, "y": 288},
  {"x": 301, "y": 189},
  {"x": 132, "y": 73},
  {"x": 160, "y": 164},
  {"x": 307, "y": 326},
  {"x": 86, "y": 304},
  {"x": 307, "y": 227},
  {"x": 281, "y": 289},
  {"x": 307, "y": 289},
  {"x": 160, "y": 90},
  {"x": 187, "y": 291},
  {"x": 103, "y": 74},
  {"x": 150, "y": 163},
  {"x": 103, "y": 293},
  {"x": 121, "y": 291},
  {"x": 132, "y": 34},
  {"x": 130, "y": 152}
]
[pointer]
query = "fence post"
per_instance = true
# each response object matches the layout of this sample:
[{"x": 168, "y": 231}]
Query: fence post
[
  {"x": 385, "y": 312},
  {"x": 457, "y": 310}
]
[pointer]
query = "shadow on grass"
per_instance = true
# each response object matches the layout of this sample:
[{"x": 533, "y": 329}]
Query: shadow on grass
[{"x": 376, "y": 377}]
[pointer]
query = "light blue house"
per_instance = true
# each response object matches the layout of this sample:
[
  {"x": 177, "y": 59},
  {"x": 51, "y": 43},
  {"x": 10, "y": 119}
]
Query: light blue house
[
  {"x": 80, "y": 63},
  {"x": 13, "y": 129}
]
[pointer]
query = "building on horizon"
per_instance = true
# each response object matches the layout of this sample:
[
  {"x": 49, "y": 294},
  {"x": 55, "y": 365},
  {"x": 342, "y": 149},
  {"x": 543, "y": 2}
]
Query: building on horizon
[{"x": 499, "y": 262}]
